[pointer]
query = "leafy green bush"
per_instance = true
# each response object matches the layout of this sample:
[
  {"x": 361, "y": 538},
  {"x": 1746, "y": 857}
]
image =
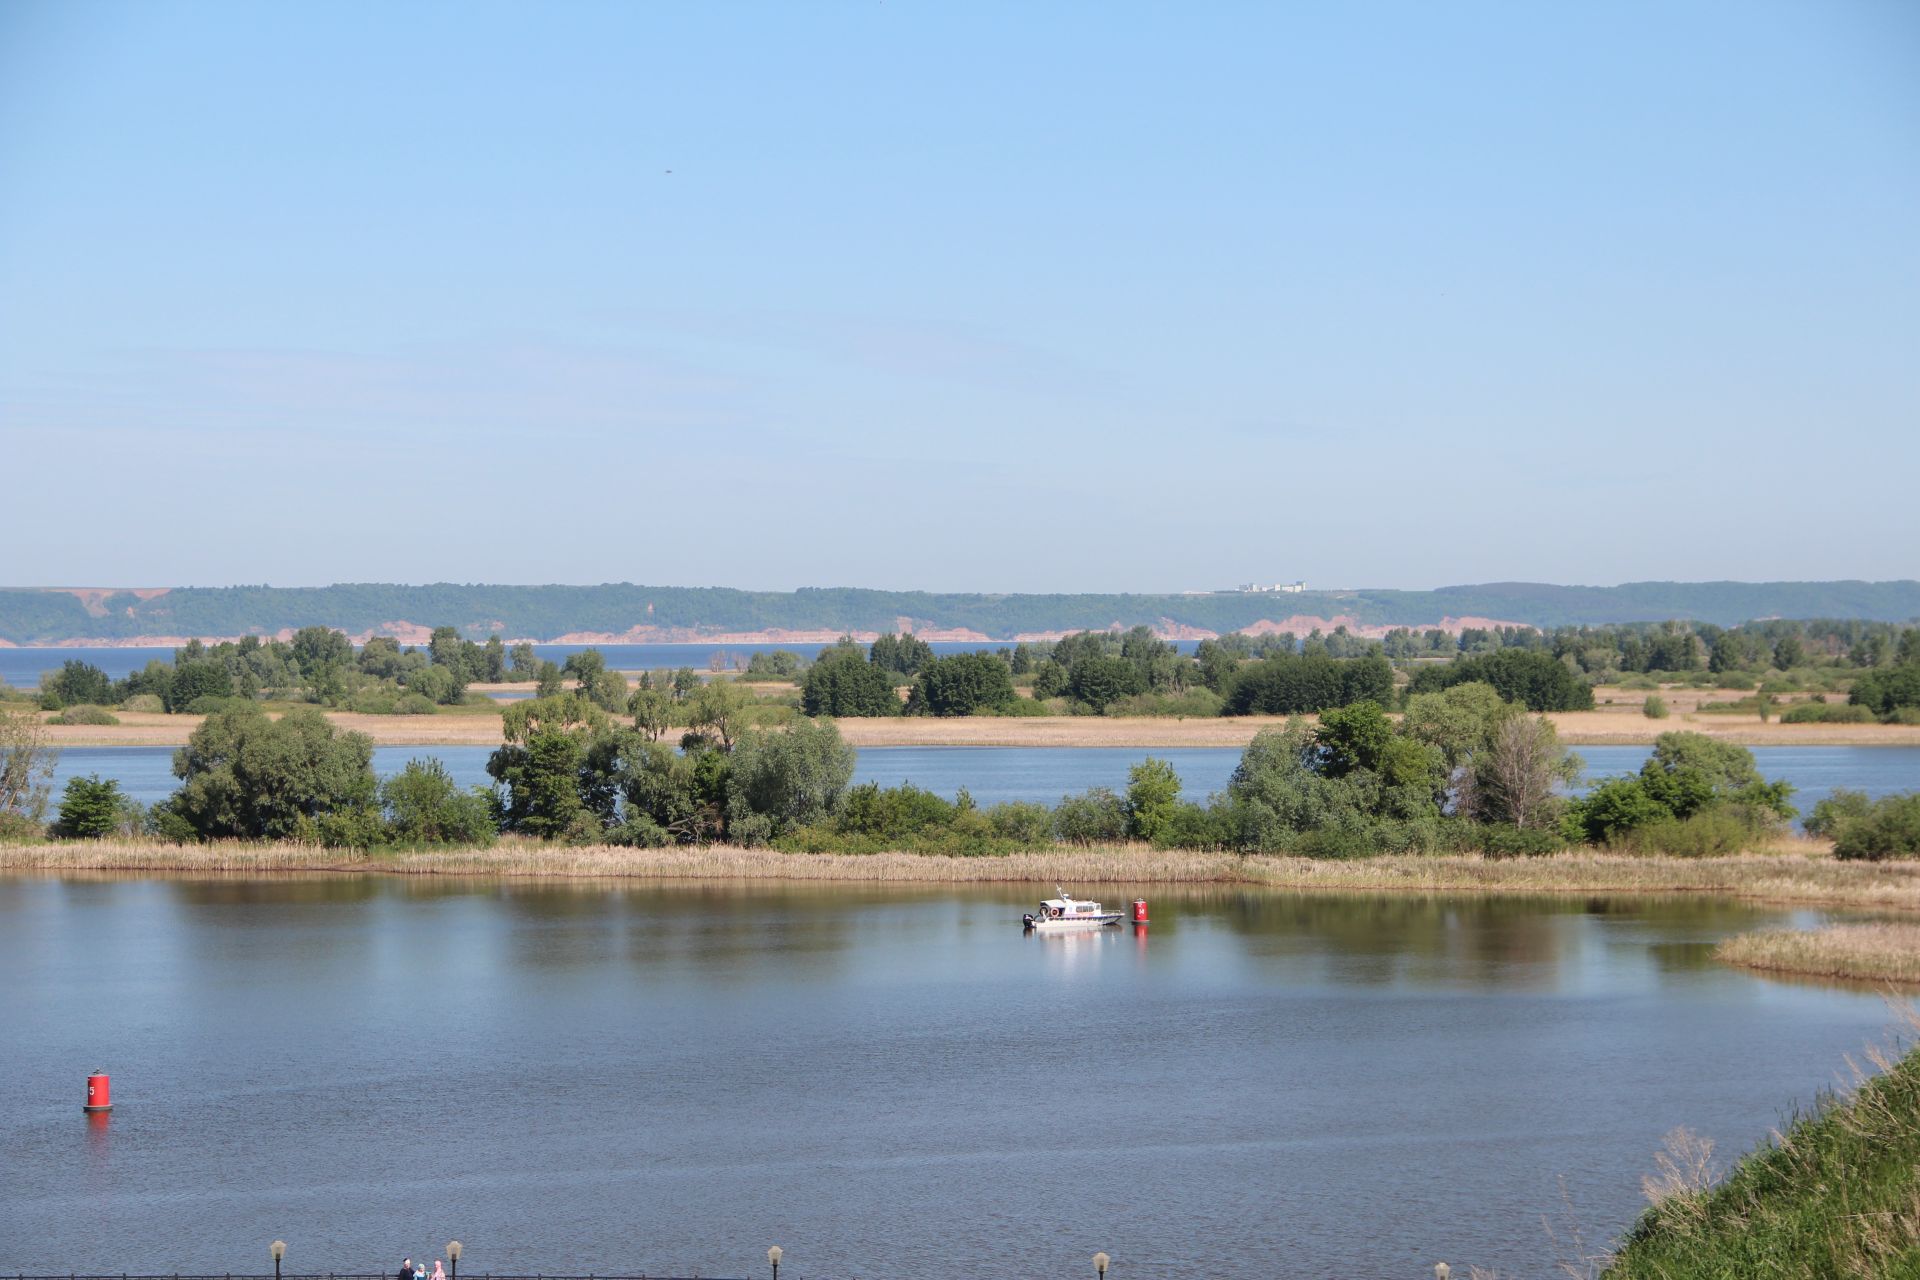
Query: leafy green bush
[
  {"x": 1889, "y": 828},
  {"x": 1095, "y": 816},
  {"x": 85, "y": 714},
  {"x": 1826, "y": 713},
  {"x": 1836, "y": 810},
  {"x": 1503, "y": 840},
  {"x": 1655, "y": 707},
  {"x": 90, "y": 808},
  {"x": 144, "y": 702},
  {"x": 1021, "y": 708},
  {"x": 1733, "y": 680},
  {"x": 1022, "y": 822},
  {"x": 424, "y": 806},
  {"x": 1200, "y": 703}
]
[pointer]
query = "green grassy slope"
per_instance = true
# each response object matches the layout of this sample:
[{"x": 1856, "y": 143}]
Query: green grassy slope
[{"x": 1838, "y": 1196}]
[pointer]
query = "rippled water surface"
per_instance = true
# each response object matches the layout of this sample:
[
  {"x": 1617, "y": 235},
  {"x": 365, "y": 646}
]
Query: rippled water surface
[{"x": 883, "y": 1081}]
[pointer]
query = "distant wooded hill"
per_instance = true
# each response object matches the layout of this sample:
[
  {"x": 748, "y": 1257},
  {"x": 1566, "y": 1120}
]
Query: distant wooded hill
[{"x": 53, "y": 616}]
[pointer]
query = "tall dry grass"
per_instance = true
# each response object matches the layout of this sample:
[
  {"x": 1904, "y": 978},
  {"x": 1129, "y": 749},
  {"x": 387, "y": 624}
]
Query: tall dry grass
[
  {"x": 1869, "y": 952},
  {"x": 1793, "y": 878}
]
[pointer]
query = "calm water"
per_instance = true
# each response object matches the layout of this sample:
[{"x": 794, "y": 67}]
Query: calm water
[
  {"x": 995, "y": 774},
  {"x": 885, "y": 1082}
]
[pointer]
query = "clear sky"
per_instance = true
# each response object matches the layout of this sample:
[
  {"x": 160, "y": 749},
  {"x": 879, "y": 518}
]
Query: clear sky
[{"x": 959, "y": 295}]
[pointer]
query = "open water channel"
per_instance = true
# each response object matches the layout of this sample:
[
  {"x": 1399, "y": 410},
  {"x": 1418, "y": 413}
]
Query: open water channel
[{"x": 884, "y": 1081}]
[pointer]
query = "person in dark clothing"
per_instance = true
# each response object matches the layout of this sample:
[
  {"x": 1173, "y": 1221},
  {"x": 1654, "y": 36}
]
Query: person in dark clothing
[{"x": 406, "y": 1270}]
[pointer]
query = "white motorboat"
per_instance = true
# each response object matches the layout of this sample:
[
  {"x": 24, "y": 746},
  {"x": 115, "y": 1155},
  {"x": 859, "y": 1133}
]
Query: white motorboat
[{"x": 1057, "y": 915}]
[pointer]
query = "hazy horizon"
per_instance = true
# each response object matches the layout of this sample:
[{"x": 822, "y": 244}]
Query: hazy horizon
[{"x": 1077, "y": 298}]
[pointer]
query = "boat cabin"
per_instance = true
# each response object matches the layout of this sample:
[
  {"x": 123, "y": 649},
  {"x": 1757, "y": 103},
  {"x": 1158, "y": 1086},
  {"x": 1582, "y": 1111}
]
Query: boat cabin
[{"x": 1066, "y": 909}]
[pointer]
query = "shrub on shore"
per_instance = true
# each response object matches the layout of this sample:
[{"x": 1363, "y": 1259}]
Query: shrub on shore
[
  {"x": 1655, "y": 707},
  {"x": 87, "y": 714}
]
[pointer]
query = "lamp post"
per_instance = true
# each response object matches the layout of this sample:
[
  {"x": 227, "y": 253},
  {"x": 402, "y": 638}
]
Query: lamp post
[
  {"x": 773, "y": 1257},
  {"x": 279, "y": 1250},
  {"x": 453, "y": 1256},
  {"x": 1100, "y": 1261}
]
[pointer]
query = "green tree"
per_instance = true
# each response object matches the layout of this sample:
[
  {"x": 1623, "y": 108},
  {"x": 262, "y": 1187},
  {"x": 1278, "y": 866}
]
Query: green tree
[
  {"x": 1513, "y": 780},
  {"x": 1352, "y": 738},
  {"x": 90, "y": 808},
  {"x": 718, "y": 709},
  {"x": 26, "y": 771},
  {"x": 524, "y": 664},
  {"x": 76, "y": 683},
  {"x": 1533, "y": 678},
  {"x": 784, "y": 778},
  {"x": 961, "y": 684},
  {"x": 842, "y": 683},
  {"x": 195, "y": 680},
  {"x": 653, "y": 713},
  {"x": 1099, "y": 682},
  {"x": 424, "y": 806},
  {"x": 901, "y": 654},
  {"x": 245, "y": 776},
  {"x": 1153, "y": 796}
]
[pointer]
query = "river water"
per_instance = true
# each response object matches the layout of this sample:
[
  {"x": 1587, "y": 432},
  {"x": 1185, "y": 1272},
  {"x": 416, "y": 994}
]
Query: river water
[
  {"x": 668, "y": 1079},
  {"x": 995, "y": 774}
]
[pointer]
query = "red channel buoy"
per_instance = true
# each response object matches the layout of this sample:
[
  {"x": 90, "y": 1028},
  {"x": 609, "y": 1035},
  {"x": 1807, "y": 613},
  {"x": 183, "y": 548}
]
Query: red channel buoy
[
  {"x": 99, "y": 1092},
  {"x": 1139, "y": 910}
]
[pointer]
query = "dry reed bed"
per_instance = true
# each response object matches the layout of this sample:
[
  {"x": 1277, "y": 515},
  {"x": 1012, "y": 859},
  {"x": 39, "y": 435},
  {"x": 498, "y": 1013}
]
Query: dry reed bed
[
  {"x": 1577, "y": 728},
  {"x": 1870, "y": 952},
  {"x": 1792, "y": 878}
]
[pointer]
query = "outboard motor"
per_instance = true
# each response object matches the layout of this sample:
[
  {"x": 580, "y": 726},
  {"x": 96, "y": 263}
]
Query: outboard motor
[{"x": 1026, "y": 921}]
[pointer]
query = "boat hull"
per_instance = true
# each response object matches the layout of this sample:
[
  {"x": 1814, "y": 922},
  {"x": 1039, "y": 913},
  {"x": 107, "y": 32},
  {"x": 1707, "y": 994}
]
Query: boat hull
[{"x": 1077, "y": 925}]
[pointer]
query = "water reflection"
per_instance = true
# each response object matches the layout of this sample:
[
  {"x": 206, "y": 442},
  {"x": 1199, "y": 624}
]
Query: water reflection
[{"x": 657, "y": 1076}]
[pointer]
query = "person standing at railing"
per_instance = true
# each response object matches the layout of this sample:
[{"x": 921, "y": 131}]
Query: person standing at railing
[
  {"x": 439, "y": 1273},
  {"x": 406, "y": 1269}
]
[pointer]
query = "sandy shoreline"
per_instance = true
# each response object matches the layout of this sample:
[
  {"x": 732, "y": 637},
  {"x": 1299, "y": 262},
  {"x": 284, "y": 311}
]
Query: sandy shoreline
[{"x": 1577, "y": 728}]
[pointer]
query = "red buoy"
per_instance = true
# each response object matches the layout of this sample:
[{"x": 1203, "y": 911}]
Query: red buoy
[
  {"x": 1139, "y": 910},
  {"x": 99, "y": 1092}
]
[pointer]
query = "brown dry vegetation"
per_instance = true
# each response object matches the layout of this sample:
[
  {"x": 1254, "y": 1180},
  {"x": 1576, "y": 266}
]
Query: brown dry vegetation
[
  {"x": 1796, "y": 877},
  {"x": 481, "y": 727},
  {"x": 1868, "y": 952}
]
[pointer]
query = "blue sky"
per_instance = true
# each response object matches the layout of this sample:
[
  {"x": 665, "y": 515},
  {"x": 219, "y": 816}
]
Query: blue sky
[{"x": 961, "y": 296}]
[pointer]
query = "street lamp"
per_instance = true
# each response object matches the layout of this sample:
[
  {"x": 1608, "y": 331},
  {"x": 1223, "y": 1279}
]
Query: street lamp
[
  {"x": 279, "y": 1250},
  {"x": 1100, "y": 1261},
  {"x": 773, "y": 1256},
  {"x": 453, "y": 1256}
]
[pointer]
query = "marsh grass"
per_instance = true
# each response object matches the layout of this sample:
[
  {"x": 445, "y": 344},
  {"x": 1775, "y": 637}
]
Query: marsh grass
[
  {"x": 1837, "y": 1194},
  {"x": 1868, "y": 952},
  {"x": 1787, "y": 878}
]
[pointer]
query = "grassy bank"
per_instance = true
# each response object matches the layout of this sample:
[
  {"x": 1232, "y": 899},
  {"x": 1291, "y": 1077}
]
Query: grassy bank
[
  {"x": 1867, "y": 952},
  {"x": 1837, "y": 1195},
  {"x": 1797, "y": 878}
]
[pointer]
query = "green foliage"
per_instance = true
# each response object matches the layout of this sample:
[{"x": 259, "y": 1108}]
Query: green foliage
[
  {"x": 85, "y": 715},
  {"x": 777, "y": 664},
  {"x": 1504, "y": 840},
  {"x": 961, "y": 684},
  {"x": 194, "y": 681},
  {"x": 1352, "y": 738},
  {"x": 1887, "y": 690},
  {"x": 1838, "y": 808},
  {"x": 842, "y": 683},
  {"x": 1694, "y": 796},
  {"x": 424, "y": 806},
  {"x": 1826, "y": 713},
  {"x": 1101, "y": 681},
  {"x": 1833, "y": 1197},
  {"x": 1153, "y": 793},
  {"x": 90, "y": 808},
  {"x": 787, "y": 778},
  {"x": 1095, "y": 816},
  {"x": 1655, "y": 707},
  {"x": 1293, "y": 684},
  {"x": 244, "y": 776},
  {"x": 894, "y": 813},
  {"x": 76, "y": 682},
  {"x": 1888, "y": 828},
  {"x": 901, "y": 654},
  {"x": 1535, "y": 679}
]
